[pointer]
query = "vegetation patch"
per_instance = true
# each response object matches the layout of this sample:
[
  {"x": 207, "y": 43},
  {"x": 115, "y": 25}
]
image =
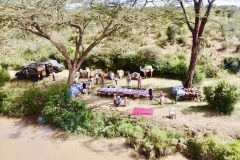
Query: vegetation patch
[{"x": 223, "y": 97}]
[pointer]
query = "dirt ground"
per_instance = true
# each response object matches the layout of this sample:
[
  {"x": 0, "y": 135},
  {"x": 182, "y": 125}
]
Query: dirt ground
[{"x": 191, "y": 116}]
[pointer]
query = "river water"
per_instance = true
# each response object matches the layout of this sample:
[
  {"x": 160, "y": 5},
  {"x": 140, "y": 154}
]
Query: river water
[{"x": 22, "y": 140}]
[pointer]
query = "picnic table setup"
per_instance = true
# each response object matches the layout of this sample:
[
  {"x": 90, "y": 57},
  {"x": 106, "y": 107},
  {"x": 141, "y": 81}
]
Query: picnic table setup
[{"x": 122, "y": 91}]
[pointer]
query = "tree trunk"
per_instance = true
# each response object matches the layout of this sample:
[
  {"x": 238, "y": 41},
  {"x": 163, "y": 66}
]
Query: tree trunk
[
  {"x": 71, "y": 75},
  {"x": 192, "y": 66}
]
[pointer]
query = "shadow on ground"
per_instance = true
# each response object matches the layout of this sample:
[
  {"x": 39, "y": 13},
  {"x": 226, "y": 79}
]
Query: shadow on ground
[{"x": 204, "y": 109}]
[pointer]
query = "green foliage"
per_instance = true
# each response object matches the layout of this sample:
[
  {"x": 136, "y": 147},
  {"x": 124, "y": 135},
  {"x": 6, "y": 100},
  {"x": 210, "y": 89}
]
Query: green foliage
[
  {"x": 209, "y": 149},
  {"x": 210, "y": 71},
  {"x": 222, "y": 98},
  {"x": 161, "y": 42},
  {"x": 3, "y": 96},
  {"x": 30, "y": 102},
  {"x": 204, "y": 150},
  {"x": 181, "y": 40},
  {"x": 231, "y": 64},
  {"x": 4, "y": 77},
  {"x": 171, "y": 32}
]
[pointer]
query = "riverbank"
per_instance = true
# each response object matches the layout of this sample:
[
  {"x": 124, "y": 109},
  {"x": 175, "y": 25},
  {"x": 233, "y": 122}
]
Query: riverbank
[{"x": 22, "y": 140}]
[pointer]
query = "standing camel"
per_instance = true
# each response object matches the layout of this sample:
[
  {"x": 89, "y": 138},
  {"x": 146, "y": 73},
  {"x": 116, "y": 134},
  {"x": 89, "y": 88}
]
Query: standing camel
[{"x": 146, "y": 69}]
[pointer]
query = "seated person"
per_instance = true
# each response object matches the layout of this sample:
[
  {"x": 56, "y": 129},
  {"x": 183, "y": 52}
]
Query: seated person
[
  {"x": 125, "y": 102},
  {"x": 118, "y": 100}
]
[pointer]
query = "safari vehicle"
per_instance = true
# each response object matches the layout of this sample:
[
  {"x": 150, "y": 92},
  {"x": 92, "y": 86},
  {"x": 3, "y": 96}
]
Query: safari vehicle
[{"x": 35, "y": 71}]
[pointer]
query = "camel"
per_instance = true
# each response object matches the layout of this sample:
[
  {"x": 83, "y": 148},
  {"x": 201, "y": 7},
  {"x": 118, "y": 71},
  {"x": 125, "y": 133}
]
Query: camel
[
  {"x": 120, "y": 73},
  {"x": 85, "y": 73},
  {"x": 146, "y": 69}
]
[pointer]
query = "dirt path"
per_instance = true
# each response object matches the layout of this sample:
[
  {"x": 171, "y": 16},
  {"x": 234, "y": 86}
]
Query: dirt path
[{"x": 21, "y": 140}]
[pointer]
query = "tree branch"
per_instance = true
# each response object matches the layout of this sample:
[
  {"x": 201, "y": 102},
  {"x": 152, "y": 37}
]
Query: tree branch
[
  {"x": 185, "y": 15},
  {"x": 205, "y": 18}
]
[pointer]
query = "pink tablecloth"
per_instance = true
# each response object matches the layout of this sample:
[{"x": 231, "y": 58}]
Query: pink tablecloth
[{"x": 142, "y": 111}]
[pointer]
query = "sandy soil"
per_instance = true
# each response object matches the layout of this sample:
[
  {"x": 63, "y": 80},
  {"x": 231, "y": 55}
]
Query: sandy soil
[{"x": 21, "y": 140}]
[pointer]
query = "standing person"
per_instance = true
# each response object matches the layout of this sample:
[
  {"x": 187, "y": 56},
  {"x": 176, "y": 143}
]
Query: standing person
[
  {"x": 176, "y": 95},
  {"x": 89, "y": 86},
  {"x": 101, "y": 75},
  {"x": 53, "y": 76},
  {"x": 129, "y": 79},
  {"x": 96, "y": 78},
  {"x": 139, "y": 82},
  {"x": 150, "y": 92},
  {"x": 84, "y": 91},
  {"x": 114, "y": 99},
  {"x": 116, "y": 80},
  {"x": 162, "y": 98}
]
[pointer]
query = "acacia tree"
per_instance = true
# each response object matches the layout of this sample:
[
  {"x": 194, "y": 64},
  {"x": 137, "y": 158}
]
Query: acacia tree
[
  {"x": 197, "y": 29},
  {"x": 46, "y": 18}
]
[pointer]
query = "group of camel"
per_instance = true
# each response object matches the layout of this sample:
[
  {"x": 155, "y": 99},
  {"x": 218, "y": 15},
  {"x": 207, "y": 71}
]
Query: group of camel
[{"x": 120, "y": 73}]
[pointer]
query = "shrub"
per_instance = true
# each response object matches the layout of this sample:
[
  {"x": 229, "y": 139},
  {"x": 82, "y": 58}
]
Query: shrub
[
  {"x": 171, "y": 32},
  {"x": 209, "y": 149},
  {"x": 231, "y": 64},
  {"x": 3, "y": 96},
  {"x": 30, "y": 102},
  {"x": 181, "y": 41},
  {"x": 237, "y": 49},
  {"x": 161, "y": 42},
  {"x": 205, "y": 149},
  {"x": 4, "y": 76},
  {"x": 222, "y": 98},
  {"x": 210, "y": 71}
]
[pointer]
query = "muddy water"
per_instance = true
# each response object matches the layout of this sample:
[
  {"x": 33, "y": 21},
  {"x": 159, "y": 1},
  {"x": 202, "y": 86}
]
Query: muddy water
[{"x": 19, "y": 141}]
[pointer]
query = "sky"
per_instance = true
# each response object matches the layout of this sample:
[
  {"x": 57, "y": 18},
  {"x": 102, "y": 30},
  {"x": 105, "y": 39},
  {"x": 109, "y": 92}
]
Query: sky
[{"x": 228, "y": 2}]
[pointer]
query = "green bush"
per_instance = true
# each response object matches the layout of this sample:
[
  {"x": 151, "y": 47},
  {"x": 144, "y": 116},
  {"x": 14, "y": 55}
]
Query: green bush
[
  {"x": 210, "y": 71},
  {"x": 181, "y": 41},
  {"x": 222, "y": 98},
  {"x": 205, "y": 149},
  {"x": 161, "y": 42},
  {"x": 4, "y": 77},
  {"x": 3, "y": 96},
  {"x": 30, "y": 102},
  {"x": 232, "y": 64},
  {"x": 209, "y": 149},
  {"x": 171, "y": 32}
]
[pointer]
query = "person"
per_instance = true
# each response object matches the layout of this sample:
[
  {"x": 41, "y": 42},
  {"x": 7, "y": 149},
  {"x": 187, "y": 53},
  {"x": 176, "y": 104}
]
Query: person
[
  {"x": 116, "y": 80},
  {"x": 114, "y": 99},
  {"x": 125, "y": 102},
  {"x": 89, "y": 85},
  {"x": 162, "y": 98},
  {"x": 53, "y": 76},
  {"x": 84, "y": 91},
  {"x": 139, "y": 82},
  {"x": 129, "y": 79},
  {"x": 176, "y": 96},
  {"x": 118, "y": 100},
  {"x": 96, "y": 78},
  {"x": 150, "y": 92},
  {"x": 101, "y": 75}
]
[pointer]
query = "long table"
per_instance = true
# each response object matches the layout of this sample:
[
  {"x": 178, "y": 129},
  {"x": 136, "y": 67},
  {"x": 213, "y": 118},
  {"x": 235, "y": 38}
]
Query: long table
[{"x": 123, "y": 91}]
